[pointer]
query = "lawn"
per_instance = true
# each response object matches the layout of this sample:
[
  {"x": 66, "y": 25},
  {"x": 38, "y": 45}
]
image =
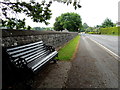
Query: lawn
[{"x": 67, "y": 52}]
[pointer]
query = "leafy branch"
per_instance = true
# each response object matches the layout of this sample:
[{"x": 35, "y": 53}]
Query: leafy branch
[{"x": 38, "y": 12}]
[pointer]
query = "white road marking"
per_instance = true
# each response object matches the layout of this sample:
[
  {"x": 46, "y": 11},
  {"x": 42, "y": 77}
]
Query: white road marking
[{"x": 117, "y": 57}]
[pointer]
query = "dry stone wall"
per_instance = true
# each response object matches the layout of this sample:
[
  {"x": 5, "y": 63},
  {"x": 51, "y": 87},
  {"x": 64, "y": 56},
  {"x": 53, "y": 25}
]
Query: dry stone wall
[{"x": 21, "y": 37}]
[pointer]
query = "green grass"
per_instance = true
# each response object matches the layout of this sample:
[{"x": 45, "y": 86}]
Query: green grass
[{"x": 66, "y": 53}]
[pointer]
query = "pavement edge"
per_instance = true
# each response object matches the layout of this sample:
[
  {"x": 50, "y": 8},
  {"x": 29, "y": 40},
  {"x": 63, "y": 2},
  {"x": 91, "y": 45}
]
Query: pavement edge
[{"x": 117, "y": 57}]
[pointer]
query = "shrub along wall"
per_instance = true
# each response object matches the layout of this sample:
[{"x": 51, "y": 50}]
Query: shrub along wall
[
  {"x": 20, "y": 37},
  {"x": 110, "y": 30}
]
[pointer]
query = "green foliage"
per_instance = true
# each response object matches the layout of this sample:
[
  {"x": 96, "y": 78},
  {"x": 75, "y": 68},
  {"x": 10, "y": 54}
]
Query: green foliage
[
  {"x": 37, "y": 28},
  {"x": 43, "y": 28},
  {"x": 93, "y": 32},
  {"x": 84, "y": 27},
  {"x": 74, "y": 2},
  {"x": 110, "y": 30},
  {"x": 107, "y": 23},
  {"x": 14, "y": 23},
  {"x": 38, "y": 12},
  {"x": 57, "y": 25},
  {"x": 66, "y": 53},
  {"x": 89, "y": 29},
  {"x": 28, "y": 28},
  {"x": 69, "y": 21}
]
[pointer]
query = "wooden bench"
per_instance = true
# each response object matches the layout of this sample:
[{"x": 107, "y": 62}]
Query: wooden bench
[{"x": 27, "y": 58}]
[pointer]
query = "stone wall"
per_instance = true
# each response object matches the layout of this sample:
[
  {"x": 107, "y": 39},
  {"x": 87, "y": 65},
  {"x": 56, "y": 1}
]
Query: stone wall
[{"x": 20, "y": 37}]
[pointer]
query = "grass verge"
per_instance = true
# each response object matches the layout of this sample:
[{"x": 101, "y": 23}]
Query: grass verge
[{"x": 67, "y": 52}]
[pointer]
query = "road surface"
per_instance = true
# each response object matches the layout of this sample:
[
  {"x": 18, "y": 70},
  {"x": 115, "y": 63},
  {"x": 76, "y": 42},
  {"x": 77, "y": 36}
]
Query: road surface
[
  {"x": 111, "y": 42},
  {"x": 93, "y": 67}
]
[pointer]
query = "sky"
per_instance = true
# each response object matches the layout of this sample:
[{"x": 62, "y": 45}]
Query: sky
[{"x": 92, "y": 12}]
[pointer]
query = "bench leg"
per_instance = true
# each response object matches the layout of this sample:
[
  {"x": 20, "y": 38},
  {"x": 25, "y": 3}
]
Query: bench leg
[{"x": 54, "y": 60}]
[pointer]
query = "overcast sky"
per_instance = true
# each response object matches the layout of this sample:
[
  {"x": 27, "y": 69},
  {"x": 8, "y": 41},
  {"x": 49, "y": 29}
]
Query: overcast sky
[{"x": 93, "y": 12}]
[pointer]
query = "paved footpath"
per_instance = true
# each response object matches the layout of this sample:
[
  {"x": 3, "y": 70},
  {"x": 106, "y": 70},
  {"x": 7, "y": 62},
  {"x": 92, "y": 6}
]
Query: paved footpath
[
  {"x": 109, "y": 41},
  {"x": 93, "y": 67}
]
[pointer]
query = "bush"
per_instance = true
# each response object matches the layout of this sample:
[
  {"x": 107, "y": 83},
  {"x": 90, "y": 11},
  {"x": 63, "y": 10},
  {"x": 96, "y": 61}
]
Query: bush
[
  {"x": 110, "y": 30},
  {"x": 93, "y": 32}
]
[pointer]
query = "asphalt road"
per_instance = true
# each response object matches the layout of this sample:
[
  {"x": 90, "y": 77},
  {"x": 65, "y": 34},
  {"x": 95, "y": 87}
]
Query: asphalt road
[
  {"x": 111, "y": 42},
  {"x": 93, "y": 67}
]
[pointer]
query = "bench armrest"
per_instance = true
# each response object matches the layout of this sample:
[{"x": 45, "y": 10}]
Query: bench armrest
[
  {"x": 20, "y": 63},
  {"x": 51, "y": 48}
]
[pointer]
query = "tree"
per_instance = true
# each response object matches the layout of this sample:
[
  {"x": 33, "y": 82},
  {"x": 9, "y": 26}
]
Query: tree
[
  {"x": 107, "y": 23},
  {"x": 89, "y": 29},
  {"x": 39, "y": 12},
  {"x": 98, "y": 26},
  {"x": 57, "y": 25},
  {"x": 69, "y": 21},
  {"x": 85, "y": 26},
  {"x": 37, "y": 28}
]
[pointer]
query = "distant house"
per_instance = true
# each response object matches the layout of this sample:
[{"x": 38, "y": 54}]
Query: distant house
[
  {"x": 118, "y": 24},
  {"x": 65, "y": 30}
]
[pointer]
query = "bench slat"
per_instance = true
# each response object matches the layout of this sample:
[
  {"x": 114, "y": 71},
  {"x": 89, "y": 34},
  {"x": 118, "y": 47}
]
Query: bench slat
[
  {"x": 35, "y": 55},
  {"x": 31, "y": 53},
  {"x": 38, "y": 56},
  {"x": 23, "y": 46},
  {"x": 27, "y": 52},
  {"x": 31, "y": 56},
  {"x": 41, "y": 62},
  {"x": 24, "y": 49}
]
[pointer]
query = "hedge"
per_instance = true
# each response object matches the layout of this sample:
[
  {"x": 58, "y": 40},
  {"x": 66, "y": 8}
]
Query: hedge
[
  {"x": 93, "y": 32},
  {"x": 110, "y": 30}
]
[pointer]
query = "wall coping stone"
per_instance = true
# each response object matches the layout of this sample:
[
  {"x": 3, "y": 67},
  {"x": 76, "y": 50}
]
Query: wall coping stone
[{"x": 13, "y": 32}]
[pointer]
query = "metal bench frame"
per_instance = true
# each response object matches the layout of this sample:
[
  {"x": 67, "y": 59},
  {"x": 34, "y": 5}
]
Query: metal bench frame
[{"x": 22, "y": 60}]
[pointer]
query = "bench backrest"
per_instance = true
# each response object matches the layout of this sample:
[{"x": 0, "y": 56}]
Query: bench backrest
[{"x": 25, "y": 54}]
